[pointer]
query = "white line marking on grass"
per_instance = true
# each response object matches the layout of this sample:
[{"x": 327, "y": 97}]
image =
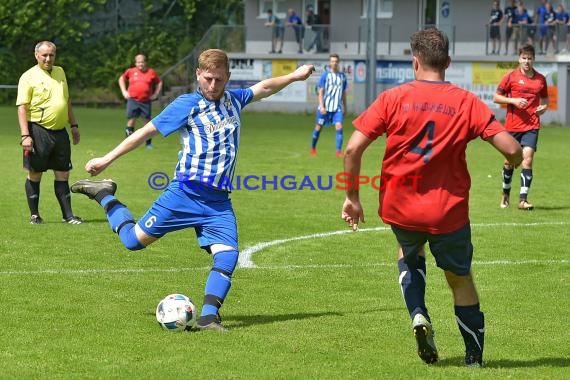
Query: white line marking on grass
[
  {"x": 79, "y": 272},
  {"x": 246, "y": 254},
  {"x": 245, "y": 257},
  {"x": 245, "y": 261}
]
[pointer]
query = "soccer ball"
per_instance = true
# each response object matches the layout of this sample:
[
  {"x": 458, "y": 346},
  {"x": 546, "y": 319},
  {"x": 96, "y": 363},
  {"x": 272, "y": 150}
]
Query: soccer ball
[{"x": 176, "y": 312}]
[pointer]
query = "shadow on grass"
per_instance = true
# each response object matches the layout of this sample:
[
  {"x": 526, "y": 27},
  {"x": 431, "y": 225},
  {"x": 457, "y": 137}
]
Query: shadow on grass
[
  {"x": 551, "y": 208},
  {"x": 238, "y": 321},
  {"x": 509, "y": 363}
]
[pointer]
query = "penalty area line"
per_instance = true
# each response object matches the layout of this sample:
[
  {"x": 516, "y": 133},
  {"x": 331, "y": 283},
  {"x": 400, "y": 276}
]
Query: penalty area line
[{"x": 245, "y": 257}]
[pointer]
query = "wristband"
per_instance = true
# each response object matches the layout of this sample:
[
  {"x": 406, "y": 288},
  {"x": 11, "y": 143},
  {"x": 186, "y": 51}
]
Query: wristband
[
  {"x": 74, "y": 126},
  {"x": 24, "y": 137}
]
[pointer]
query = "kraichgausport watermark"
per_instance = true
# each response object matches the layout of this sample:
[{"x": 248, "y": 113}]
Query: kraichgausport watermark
[{"x": 340, "y": 181}]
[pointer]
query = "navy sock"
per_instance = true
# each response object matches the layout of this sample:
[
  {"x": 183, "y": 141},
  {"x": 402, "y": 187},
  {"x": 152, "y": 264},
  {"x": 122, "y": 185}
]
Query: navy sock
[
  {"x": 471, "y": 323},
  {"x": 526, "y": 180},
  {"x": 315, "y": 139},
  {"x": 507, "y": 179},
  {"x": 219, "y": 281},
  {"x": 61, "y": 189},
  {"x": 33, "y": 196},
  {"x": 339, "y": 138},
  {"x": 413, "y": 283}
]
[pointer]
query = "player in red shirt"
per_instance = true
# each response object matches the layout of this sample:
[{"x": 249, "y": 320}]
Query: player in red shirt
[
  {"x": 144, "y": 86},
  {"x": 428, "y": 123},
  {"x": 525, "y": 93}
]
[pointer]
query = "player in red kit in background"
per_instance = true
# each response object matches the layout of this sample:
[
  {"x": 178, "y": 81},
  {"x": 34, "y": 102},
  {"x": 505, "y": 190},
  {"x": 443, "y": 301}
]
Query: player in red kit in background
[
  {"x": 428, "y": 124},
  {"x": 525, "y": 93},
  {"x": 140, "y": 85}
]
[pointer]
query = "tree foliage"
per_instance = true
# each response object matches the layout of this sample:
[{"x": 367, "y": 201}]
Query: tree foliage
[{"x": 98, "y": 39}]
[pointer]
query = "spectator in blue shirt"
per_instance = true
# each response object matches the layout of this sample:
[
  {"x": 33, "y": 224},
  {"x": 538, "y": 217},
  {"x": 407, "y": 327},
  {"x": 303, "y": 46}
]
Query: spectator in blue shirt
[
  {"x": 562, "y": 18},
  {"x": 296, "y": 23},
  {"x": 550, "y": 22},
  {"x": 540, "y": 21}
]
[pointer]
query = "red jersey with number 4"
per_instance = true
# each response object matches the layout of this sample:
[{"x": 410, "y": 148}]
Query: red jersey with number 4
[
  {"x": 515, "y": 84},
  {"x": 140, "y": 83},
  {"x": 425, "y": 181}
]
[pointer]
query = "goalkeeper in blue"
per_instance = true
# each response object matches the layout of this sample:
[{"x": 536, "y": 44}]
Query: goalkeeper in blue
[{"x": 208, "y": 122}]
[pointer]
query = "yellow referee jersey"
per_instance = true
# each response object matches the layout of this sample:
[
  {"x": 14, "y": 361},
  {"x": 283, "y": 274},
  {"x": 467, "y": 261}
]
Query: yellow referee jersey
[{"x": 46, "y": 95}]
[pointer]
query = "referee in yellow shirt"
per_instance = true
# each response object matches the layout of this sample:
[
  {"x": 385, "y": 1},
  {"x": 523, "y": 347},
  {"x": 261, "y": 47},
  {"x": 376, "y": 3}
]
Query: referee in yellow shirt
[{"x": 44, "y": 110}]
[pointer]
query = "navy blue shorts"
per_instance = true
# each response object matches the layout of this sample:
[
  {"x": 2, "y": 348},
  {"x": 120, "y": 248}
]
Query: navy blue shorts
[
  {"x": 528, "y": 138},
  {"x": 453, "y": 251},
  {"x": 209, "y": 212},
  {"x": 52, "y": 150},
  {"x": 138, "y": 109}
]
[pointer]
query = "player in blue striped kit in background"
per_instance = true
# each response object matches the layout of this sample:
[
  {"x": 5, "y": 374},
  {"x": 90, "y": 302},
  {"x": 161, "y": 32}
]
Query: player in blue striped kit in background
[
  {"x": 209, "y": 124},
  {"x": 332, "y": 103}
]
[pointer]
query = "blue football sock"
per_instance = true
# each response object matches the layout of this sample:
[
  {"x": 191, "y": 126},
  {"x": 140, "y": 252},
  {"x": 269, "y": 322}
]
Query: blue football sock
[
  {"x": 122, "y": 222},
  {"x": 507, "y": 178},
  {"x": 315, "y": 139},
  {"x": 471, "y": 323},
  {"x": 339, "y": 140},
  {"x": 526, "y": 180},
  {"x": 219, "y": 281},
  {"x": 413, "y": 284}
]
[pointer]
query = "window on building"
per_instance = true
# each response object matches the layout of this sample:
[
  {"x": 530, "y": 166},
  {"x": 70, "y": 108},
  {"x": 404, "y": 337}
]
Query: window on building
[
  {"x": 384, "y": 8},
  {"x": 278, "y": 6}
]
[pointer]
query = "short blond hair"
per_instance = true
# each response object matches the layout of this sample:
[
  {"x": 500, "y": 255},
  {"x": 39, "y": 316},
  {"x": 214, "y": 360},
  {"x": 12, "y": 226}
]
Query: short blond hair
[{"x": 213, "y": 59}]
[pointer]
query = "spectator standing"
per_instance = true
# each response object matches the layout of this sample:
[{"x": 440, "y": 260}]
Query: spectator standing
[
  {"x": 140, "y": 85},
  {"x": 540, "y": 22},
  {"x": 314, "y": 22},
  {"x": 295, "y": 22},
  {"x": 509, "y": 17},
  {"x": 44, "y": 109},
  {"x": 277, "y": 32},
  {"x": 495, "y": 27},
  {"x": 551, "y": 24},
  {"x": 563, "y": 18}
]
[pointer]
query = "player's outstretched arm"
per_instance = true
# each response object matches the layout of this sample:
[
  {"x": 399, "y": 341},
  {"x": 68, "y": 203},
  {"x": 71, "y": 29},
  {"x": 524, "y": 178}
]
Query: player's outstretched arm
[
  {"x": 97, "y": 165},
  {"x": 508, "y": 146},
  {"x": 270, "y": 86}
]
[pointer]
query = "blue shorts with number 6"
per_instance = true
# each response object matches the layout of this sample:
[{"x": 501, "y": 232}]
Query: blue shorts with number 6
[{"x": 180, "y": 206}]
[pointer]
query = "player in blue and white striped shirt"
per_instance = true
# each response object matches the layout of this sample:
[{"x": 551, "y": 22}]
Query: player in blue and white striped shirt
[
  {"x": 209, "y": 124},
  {"x": 332, "y": 104}
]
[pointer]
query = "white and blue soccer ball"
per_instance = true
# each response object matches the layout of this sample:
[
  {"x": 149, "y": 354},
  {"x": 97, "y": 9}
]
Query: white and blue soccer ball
[{"x": 176, "y": 312}]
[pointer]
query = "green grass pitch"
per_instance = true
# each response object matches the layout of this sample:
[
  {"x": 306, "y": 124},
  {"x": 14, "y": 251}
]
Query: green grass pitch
[{"x": 311, "y": 303}]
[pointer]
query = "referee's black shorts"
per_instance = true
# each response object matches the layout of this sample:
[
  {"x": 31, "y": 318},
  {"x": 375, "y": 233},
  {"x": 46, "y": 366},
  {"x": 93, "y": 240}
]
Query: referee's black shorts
[{"x": 52, "y": 150}]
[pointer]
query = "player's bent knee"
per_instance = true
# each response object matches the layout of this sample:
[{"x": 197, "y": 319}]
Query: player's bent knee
[
  {"x": 225, "y": 261},
  {"x": 129, "y": 237}
]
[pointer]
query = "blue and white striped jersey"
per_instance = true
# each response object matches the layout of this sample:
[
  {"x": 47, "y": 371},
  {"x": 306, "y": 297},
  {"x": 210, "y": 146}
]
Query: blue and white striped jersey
[
  {"x": 209, "y": 134},
  {"x": 334, "y": 85}
]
